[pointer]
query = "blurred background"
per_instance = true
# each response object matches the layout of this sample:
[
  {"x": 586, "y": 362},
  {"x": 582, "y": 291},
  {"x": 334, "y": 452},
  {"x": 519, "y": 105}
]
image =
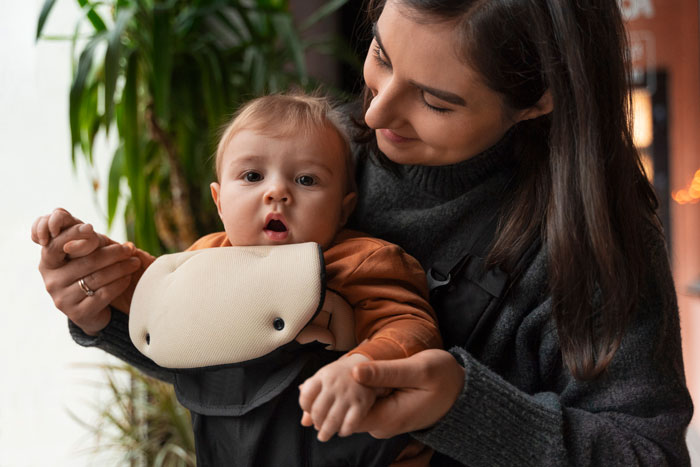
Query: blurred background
[{"x": 106, "y": 68}]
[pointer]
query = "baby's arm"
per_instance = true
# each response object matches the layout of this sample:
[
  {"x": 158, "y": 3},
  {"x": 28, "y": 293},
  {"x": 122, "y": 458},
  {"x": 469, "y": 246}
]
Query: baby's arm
[{"x": 333, "y": 401}]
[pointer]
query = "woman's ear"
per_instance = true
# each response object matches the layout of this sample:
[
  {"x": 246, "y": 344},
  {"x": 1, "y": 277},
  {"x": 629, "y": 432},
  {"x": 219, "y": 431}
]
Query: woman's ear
[
  {"x": 542, "y": 107},
  {"x": 215, "y": 191},
  {"x": 348, "y": 207}
]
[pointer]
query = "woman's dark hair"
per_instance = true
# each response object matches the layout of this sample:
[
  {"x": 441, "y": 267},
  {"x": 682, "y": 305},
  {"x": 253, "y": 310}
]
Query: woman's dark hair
[{"x": 580, "y": 182}]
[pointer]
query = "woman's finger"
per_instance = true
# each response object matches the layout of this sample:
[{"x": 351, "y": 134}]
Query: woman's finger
[
  {"x": 401, "y": 373},
  {"x": 92, "y": 314},
  {"x": 68, "y": 273},
  {"x": 52, "y": 255},
  {"x": 97, "y": 280},
  {"x": 426, "y": 386}
]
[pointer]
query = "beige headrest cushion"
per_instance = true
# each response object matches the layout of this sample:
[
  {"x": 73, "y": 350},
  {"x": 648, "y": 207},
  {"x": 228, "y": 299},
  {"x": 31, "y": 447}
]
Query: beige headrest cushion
[{"x": 225, "y": 305}]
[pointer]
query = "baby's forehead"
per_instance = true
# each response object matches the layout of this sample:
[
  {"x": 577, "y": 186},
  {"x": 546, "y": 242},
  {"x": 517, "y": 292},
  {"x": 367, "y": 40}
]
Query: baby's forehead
[{"x": 321, "y": 147}]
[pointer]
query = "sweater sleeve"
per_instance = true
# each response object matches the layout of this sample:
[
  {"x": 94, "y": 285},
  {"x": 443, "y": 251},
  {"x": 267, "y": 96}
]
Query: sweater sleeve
[
  {"x": 636, "y": 413},
  {"x": 115, "y": 340},
  {"x": 387, "y": 290}
]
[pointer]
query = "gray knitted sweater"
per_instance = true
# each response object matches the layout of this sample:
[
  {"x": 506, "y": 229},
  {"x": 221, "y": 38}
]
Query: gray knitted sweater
[{"x": 519, "y": 406}]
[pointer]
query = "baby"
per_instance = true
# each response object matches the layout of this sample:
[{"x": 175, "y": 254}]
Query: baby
[{"x": 285, "y": 175}]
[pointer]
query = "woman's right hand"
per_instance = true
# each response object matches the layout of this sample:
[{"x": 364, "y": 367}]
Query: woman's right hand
[{"x": 72, "y": 251}]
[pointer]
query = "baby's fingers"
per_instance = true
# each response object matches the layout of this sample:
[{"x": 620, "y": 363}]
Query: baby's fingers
[
  {"x": 333, "y": 421},
  {"x": 352, "y": 420},
  {"x": 59, "y": 219},
  {"x": 306, "y": 419},
  {"x": 40, "y": 231},
  {"x": 308, "y": 392}
]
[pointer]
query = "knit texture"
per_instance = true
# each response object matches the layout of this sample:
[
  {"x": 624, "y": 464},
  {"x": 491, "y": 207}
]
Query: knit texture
[{"x": 520, "y": 405}]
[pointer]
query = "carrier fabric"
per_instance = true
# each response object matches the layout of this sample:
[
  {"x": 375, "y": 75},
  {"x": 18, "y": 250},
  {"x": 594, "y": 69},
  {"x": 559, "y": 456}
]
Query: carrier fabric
[{"x": 221, "y": 305}]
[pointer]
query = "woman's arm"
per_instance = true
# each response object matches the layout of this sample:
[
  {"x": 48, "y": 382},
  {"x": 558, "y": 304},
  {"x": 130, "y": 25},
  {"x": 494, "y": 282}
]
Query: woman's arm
[{"x": 533, "y": 412}]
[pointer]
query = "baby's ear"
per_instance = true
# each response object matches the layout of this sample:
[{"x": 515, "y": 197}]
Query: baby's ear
[
  {"x": 215, "y": 190},
  {"x": 349, "y": 203}
]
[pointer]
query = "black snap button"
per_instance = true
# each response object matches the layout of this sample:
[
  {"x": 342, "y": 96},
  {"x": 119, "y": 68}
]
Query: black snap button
[
  {"x": 148, "y": 339},
  {"x": 278, "y": 323}
]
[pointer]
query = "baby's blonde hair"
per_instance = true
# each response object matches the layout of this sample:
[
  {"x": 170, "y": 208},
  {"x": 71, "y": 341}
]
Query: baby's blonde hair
[{"x": 285, "y": 115}]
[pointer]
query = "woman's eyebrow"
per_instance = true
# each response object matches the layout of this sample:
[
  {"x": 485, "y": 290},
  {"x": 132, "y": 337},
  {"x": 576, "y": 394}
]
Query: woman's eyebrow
[
  {"x": 375, "y": 32},
  {"x": 446, "y": 96}
]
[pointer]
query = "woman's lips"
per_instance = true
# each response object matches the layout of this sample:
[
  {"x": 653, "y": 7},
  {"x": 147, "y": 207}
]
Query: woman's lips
[{"x": 393, "y": 137}]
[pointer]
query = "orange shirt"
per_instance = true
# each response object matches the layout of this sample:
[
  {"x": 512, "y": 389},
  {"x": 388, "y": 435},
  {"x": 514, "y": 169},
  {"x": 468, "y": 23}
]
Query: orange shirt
[{"x": 386, "y": 288}]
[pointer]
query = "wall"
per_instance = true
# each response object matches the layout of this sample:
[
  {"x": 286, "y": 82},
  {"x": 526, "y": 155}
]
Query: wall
[
  {"x": 670, "y": 29},
  {"x": 45, "y": 377}
]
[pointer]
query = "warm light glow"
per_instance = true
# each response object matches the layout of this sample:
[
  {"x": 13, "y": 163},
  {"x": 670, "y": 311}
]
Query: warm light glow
[
  {"x": 647, "y": 163},
  {"x": 643, "y": 129},
  {"x": 690, "y": 195}
]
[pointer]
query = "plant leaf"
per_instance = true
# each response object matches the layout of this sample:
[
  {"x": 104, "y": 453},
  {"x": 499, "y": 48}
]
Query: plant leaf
[
  {"x": 95, "y": 19},
  {"x": 162, "y": 60},
  {"x": 285, "y": 27},
  {"x": 116, "y": 171},
  {"x": 325, "y": 10},
  {"x": 45, "y": 10},
  {"x": 77, "y": 89},
  {"x": 112, "y": 57}
]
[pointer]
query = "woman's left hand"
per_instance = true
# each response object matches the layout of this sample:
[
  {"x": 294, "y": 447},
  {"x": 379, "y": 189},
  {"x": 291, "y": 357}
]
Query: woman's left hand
[{"x": 426, "y": 385}]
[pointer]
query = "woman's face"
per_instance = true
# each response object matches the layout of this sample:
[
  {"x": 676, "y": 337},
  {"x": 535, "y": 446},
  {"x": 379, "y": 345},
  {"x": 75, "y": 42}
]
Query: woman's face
[{"x": 429, "y": 107}]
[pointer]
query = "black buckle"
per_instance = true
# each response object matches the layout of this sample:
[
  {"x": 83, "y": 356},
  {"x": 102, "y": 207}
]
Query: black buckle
[{"x": 436, "y": 279}]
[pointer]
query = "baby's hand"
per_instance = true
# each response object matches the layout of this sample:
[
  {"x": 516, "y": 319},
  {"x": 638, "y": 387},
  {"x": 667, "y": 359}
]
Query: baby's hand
[
  {"x": 333, "y": 401},
  {"x": 49, "y": 226},
  {"x": 81, "y": 241}
]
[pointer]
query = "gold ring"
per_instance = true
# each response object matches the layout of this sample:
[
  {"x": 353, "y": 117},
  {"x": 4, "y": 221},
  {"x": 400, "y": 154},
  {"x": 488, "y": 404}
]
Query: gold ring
[{"x": 83, "y": 286}]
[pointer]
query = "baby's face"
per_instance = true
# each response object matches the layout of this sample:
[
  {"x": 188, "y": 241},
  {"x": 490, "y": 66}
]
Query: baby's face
[{"x": 280, "y": 190}]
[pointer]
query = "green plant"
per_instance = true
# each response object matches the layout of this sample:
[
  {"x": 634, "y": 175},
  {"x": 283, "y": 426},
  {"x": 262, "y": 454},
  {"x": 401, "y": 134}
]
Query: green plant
[
  {"x": 169, "y": 73},
  {"x": 166, "y": 75},
  {"x": 143, "y": 420}
]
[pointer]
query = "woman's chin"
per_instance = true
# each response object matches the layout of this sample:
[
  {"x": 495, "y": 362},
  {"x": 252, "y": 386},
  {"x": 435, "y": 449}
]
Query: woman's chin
[{"x": 403, "y": 156}]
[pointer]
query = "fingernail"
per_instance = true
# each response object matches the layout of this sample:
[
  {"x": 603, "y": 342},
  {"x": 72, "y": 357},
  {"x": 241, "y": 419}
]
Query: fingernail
[
  {"x": 134, "y": 261},
  {"x": 128, "y": 247},
  {"x": 84, "y": 228}
]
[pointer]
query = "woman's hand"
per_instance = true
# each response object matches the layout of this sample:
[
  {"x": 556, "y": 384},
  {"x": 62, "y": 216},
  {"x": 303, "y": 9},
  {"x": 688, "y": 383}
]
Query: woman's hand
[
  {"x": 104, "y": 266},
  {"x": 426, "y": 386}
]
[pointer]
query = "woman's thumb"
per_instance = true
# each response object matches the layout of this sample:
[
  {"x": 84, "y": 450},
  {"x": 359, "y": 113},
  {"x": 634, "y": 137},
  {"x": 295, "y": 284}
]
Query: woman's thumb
[{"x": 385, "y": 373}]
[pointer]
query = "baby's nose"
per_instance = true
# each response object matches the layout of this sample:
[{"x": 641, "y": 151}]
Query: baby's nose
[{"x": 277, "y": 193}]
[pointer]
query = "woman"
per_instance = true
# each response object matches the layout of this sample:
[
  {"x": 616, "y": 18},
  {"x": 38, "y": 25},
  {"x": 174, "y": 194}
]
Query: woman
[{"x": 504, "y": 120}]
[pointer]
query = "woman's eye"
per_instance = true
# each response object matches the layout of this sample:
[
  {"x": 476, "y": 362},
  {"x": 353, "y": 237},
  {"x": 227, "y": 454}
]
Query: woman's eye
[
  {"x": 252, "y": 177},
  {"x": 306, "y": 180},
  {"x": 440, "y": 110},
  {"x": 377, "y": 52}
]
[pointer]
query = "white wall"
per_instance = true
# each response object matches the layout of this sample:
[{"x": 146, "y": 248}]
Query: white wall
[{"x": 39, "y": 381}]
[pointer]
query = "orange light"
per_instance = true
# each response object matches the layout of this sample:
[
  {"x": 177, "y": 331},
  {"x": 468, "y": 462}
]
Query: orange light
[
  {"x": 643, "y": 123},
  {"x": 690, "y": 195}
]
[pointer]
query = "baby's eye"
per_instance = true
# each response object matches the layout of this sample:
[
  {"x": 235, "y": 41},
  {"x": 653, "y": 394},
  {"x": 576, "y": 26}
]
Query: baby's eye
[
  {"x": 252, "y": 176},
  {"x": 306, "y": 180}
]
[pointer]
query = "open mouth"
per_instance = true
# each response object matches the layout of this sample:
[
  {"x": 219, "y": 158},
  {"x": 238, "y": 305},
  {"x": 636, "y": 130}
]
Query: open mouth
[
  {"x": 276, "y": 225},
  {"x": 276, "y": 228}
]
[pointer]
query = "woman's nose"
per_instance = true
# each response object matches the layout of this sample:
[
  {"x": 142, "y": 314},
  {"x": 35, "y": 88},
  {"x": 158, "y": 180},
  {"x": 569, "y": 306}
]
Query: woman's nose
[{"x": 384, "y": 109}]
